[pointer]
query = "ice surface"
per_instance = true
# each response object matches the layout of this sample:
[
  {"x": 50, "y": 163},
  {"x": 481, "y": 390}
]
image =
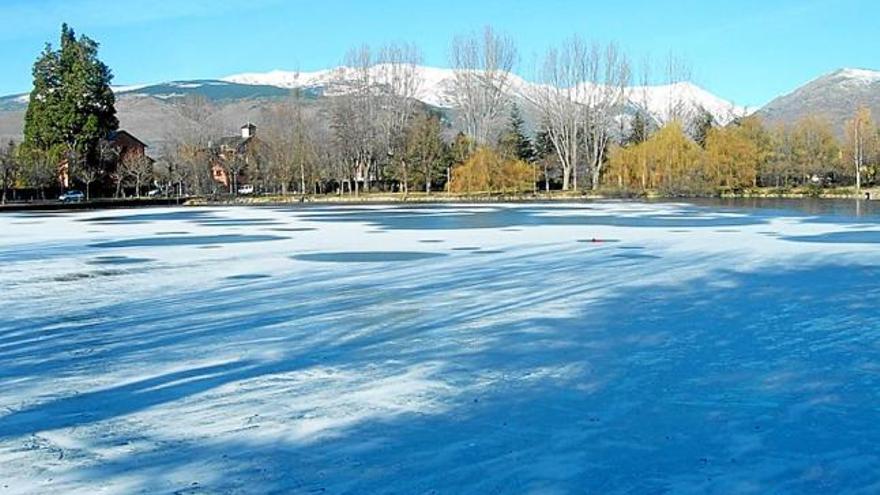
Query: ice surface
[{"x": 601, "y": 348}]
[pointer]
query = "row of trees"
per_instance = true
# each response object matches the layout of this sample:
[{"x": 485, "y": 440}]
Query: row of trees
[
  {"x": 307, "y": 152},
  {"x": 677, "y": 158},
  {"x": 747, "y": 154},
  {"x": 376, "y": 133},
  {"x": 380, "y": 132},
  {"x": 593, "y": 128},
  {"x": 39, "y": 172}
]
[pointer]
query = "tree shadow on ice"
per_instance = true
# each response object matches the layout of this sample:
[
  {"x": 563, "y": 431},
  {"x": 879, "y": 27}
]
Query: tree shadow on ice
[
  {"x": 316, "y": 324},
  {"x": 505, "y": 218},
  {"x": 555, "y": 379}
]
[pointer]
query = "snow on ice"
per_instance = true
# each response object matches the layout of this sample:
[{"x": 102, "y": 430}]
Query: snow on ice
[{"x": 602, "y": 348}]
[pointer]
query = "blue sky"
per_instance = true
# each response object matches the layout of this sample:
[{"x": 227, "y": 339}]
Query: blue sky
[{"x": 747, "y": 51}]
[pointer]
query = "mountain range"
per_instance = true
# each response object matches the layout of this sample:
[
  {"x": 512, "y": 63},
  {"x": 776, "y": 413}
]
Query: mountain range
[
  {"x": 835, "y": 97},
  {"x": 149, "y": 110}
]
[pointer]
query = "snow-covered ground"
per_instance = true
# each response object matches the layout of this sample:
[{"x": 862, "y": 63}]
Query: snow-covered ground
[{"x": 595, "y": 348}]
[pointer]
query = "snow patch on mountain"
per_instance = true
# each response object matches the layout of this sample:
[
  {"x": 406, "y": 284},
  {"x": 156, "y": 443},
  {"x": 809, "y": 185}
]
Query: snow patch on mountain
[
  {"x": 129, "y": 88},
  {"x": 861, "y": 74},
  {"x": 186, "y": 85},
  {"x": 858, "y": 76},
  {"x": 437, "y": 89},
  {"x": 25, "y": 98},
  {"x": 665, "y": 101}
]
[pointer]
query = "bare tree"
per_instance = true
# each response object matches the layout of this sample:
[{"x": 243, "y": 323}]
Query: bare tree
[
  {"x": 583, "y": 88},
  {"x": 89, "y": 174},
  {"x": 8, "y": 168},
  {"x": 136, "y": 169},
  {"x": 169, "y": 172},
  {"x": 354, "y": 118},
  {"x": 191, "y": 143},
  {"x": 482, "y": 64},
  {"x": 861, "y": 140},
  {"x": 106, "y": 154},
  {"x": 399, "y": 73},
  {"x": 284, "y": 124},
  {"x": 40, "y": 168},
  {"x": 559, "y": 100},
  {"x": 640, "y": 97},
  {"x": 290, "y": 131},
  {"x": 608, "y": 75},
  {"x": 677, "y": 72}
]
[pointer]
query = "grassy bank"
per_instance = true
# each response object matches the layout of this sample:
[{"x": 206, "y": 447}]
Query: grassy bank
[
  {"x": 439, "y": 197},
  {"x": 443, "y": 197},
  {"x": 94, "y": 204}
]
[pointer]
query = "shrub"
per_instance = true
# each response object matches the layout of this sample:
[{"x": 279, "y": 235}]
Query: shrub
[{"x": 487, "y": 171}]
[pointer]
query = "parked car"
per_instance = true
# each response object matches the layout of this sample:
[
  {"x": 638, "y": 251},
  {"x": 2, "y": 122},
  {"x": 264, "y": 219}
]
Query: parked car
[
  {"x": 72, "y": 197},
  {"x": 154, "y": 193},
  {"x": 248, "y": 189}
]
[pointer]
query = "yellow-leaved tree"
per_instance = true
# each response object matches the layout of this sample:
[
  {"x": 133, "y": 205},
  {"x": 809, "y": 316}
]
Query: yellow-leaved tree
[
  {"x": 669, "y": 161},
  {"x": 486, "y": 171},
  {"x": 732, "y": 158},
  {"x": 815, "y": 150}
]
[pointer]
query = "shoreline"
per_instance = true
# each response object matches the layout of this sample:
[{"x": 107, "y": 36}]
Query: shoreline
[{"x": 422, "y": 198}]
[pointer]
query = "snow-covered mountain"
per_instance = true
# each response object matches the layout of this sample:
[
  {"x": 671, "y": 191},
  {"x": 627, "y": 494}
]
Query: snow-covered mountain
[
  {"x": 149, "y": 109},
  {"x": 684, "y": 97},
  {"x": 834, "y": 96},
  {"x": 437, "y": 86}
]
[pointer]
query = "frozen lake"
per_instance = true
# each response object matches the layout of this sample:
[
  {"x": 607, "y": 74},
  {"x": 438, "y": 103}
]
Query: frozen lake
[{"x": 569, "y": 348}]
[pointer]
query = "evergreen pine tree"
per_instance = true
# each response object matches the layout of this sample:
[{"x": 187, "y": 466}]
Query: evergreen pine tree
[
  {"x": 543, "y": 145},
  {"x": 638, "y": 130},
  {"x": 703, "y": 123},
  {"x": 71, "y": 105},
  {"x": 40, "y": 129},
  {"x": 545, "y": 154},
  {"x": 514, "y": 143}
]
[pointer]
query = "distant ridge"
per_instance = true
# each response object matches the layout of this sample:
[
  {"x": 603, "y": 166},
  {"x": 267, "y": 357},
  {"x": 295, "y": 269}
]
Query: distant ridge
[
  {"x": 437, "y": 89},
  {"x": 834, "y": 96},
  {"x": 149, "y": 109}
]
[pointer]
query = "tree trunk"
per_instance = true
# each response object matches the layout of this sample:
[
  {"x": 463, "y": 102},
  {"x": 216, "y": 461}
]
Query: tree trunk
[
  {"x": 858, "y": 159},
  {"x": 302, "y": 178},
  {"x": 405, "y": 180}
]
